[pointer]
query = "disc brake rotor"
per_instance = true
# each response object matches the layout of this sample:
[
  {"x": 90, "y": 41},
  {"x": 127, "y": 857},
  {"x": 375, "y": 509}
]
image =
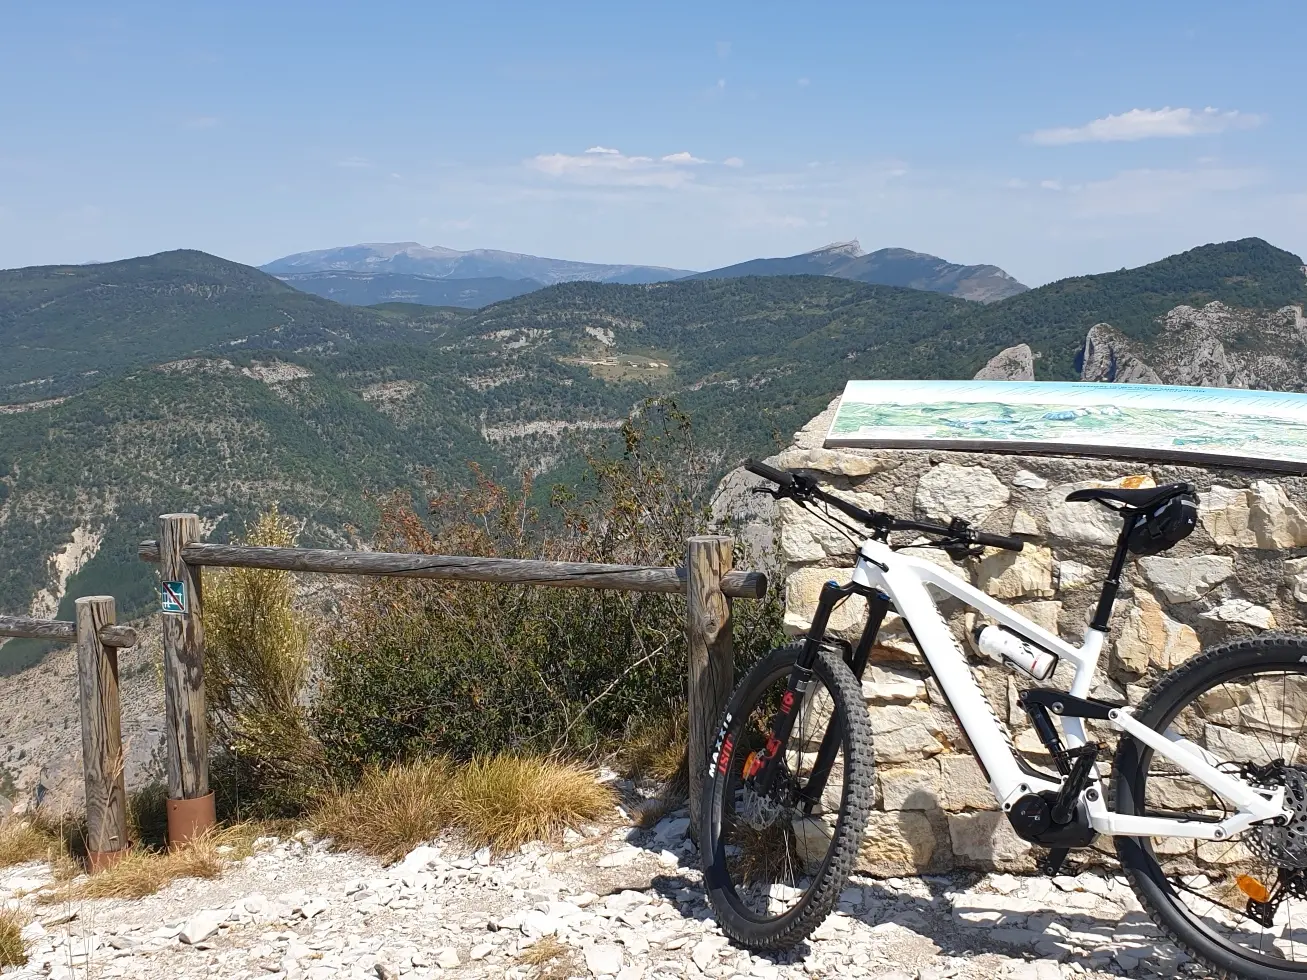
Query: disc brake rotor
[{"x": 1285, "y": 845}]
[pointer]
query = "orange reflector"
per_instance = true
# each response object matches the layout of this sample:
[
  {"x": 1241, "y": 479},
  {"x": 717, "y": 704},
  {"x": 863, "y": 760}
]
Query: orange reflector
[
  {"x": 1253, "y": 888},
  {"x": 752, "y": 765}
]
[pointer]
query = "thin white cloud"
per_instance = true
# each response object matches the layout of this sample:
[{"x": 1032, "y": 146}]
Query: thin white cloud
[
  {"x": 1142, "y": 124},
  {"x": 733, "y": 162},
  {"x": 804, "y": 82},
  {"x": 200, "y": 122},
  {"x": 602, "y": 165}
]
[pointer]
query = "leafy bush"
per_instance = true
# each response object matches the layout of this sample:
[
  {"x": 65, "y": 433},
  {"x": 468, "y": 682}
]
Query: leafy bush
[
  {"x": 257, "y": 666},
  {"x": 419, "y": 667}
]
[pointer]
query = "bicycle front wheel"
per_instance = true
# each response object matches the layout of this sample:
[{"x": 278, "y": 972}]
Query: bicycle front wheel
[
  {"x": 1239, "y": 905},
  {"x": 774, "y": 865}
]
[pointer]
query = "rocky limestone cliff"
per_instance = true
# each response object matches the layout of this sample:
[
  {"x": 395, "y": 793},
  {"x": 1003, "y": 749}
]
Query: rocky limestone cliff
[
  {"x": 1215, "y": 346},
  {"x": 1012, "y": 364}
]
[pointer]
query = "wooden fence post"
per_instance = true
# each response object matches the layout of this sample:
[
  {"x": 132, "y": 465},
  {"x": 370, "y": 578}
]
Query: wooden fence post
[
  {"x": 712, "y": 660},
  {"x": 102, "y": 743},
  {"x": 190, "y": 803}
]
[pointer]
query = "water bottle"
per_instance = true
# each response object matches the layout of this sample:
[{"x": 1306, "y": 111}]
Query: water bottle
[{"x": 1008, "y": 648}]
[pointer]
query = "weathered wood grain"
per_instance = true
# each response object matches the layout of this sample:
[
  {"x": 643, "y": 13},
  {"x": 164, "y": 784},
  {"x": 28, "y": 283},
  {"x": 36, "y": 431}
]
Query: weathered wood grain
[
  {"x": 183, "y": 665},
  {"x": 60, "y": 629},
  {"x": 557, "y": 574},
  {"x": 712, "y": 659},
  {"x": 102, "y": 744}
]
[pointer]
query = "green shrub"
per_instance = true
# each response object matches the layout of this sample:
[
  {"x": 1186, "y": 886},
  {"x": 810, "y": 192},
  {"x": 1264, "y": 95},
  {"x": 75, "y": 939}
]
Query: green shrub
[
  {"x": 256, "y": 673},
  {"x": 418, "y": 667}
]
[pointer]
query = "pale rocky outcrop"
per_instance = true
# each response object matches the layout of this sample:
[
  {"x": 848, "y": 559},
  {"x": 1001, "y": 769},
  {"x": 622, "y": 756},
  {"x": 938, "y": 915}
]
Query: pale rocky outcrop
[{"x": 1012, "y": 364}]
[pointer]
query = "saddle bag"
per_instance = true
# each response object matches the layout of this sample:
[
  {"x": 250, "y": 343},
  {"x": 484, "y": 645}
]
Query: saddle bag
[{"x": 1162, "y": 525}]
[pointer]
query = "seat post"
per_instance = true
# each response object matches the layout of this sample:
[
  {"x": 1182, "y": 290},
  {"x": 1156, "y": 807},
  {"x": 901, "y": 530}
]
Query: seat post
[{"x": 1107, "y": 598}]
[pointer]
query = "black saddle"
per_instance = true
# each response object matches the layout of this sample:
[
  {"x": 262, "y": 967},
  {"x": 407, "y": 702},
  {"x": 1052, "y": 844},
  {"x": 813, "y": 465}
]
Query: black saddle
[{"x": 1142, "y": 499}]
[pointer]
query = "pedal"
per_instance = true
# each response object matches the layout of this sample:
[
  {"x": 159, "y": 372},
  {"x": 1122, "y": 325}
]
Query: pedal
[{"x": 1051, "y": 863}]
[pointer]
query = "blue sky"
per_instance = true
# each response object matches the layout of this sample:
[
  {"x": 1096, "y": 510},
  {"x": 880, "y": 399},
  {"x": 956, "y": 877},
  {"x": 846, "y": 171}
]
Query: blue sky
[{"x": 1049, "y": 139}]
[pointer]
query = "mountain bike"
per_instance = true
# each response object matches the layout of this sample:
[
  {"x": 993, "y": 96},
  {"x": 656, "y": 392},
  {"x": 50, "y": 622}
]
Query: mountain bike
[{"x": 1207, "y": 797}]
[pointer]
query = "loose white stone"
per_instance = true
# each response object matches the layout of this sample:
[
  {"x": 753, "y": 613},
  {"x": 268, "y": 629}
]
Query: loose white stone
[
  {"x": 202, "y": 925},
  {"x": 1072, "y": 575},
  {"x": 1029, "y": 481},
  {"x": 447, "y": 958},
  {"x": 604, "y": 959},
  {"x": 620, "y": 858}
]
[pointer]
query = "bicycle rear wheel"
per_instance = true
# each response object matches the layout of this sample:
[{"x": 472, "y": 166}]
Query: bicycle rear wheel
[
  {"x": 774, "y": 865},
  {"x": 1239, "y": 905}
]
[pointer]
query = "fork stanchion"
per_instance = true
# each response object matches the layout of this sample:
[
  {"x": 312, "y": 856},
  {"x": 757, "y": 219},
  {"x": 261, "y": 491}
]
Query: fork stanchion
[{"x": 712, "y": 658}]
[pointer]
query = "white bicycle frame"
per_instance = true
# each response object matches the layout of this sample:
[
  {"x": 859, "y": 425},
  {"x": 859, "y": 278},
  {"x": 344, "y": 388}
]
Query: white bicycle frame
[{"x": 905, "y": 579}]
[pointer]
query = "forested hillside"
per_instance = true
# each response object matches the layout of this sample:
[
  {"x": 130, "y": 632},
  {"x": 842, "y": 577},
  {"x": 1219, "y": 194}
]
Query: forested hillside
[{"x": 218, "y": 389}]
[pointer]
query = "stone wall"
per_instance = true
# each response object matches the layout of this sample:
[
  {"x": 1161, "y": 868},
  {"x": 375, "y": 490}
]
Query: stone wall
[{"x": 1243, "y": 571}]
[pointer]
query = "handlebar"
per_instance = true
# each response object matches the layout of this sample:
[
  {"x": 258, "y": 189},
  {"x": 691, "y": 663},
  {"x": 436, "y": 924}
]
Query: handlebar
[{"x": 801, "y": 487}]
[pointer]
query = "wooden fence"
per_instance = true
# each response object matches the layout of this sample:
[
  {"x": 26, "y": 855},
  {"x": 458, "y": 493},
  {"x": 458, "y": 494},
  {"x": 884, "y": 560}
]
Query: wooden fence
[
  {"x": 708, "y": 581},
  {"x": 98, "y": 641}
]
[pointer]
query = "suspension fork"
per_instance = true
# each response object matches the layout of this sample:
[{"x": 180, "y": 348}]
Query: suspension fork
[
  {"x": 878, "y": 604},
  {"x": 761, "y": 768}
]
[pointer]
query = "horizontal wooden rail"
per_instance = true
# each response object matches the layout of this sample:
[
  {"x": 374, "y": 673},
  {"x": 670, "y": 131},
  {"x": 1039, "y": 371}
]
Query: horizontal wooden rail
[
  {"x": 61, "y": 629},
  {"x": 511, "y": 571}
]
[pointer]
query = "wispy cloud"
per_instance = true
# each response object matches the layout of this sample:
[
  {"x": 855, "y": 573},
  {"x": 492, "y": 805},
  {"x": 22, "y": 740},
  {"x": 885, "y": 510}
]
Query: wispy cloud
[
  {"x": 606, "y": 165},
  {"x": 733, "y": 162},
  {"x": 200, "y": 122},
  {"x": 1142, "y": 124}
]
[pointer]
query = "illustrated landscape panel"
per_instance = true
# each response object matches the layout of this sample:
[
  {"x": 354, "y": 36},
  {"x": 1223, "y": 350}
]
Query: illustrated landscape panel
[{"x": 1171, "y": 422}]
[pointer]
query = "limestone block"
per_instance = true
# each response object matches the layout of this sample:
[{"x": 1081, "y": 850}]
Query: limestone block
[
  {"x": 1025, "y": 525},
  {"x": 964, "y": 785},
  {"x": 1044, "y": 612},
  {"x": 1015, "y": 363},
  {"x": 833, "y": 461},
  {"x": 881, "y": 685},
  {"x": 1073, "y": 575},
  {"x": 1237, "y": 610},
  {"x": 984, "y": 839},
  {"x": 1088, "y": 523},
  {"x": 904, "y": 733},
  {"x": 805, "y": 537},
  {"x": 898, "y": 842},
  {"x": 1295, "y": 574},
  {"x": 914, "y": 787},
  {"x": 1011, "y": 574},
  {"x": 1186, "y": 579},
  {"x": 802, "y": 590},
  {"x": 1261, "y": 516},
  {"x": 1150, "y": 637},
  {"x": 1029, "y": 481},
  {"x": 949, "y": 490}
]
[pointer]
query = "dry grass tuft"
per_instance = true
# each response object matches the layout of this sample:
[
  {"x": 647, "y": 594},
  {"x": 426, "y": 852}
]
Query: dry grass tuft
[
  {"x": 554, "y": 960},
  {"x": 390, "y": 811},
  {"x": 503, "y": 801},
  {"x": 144, "y": 872},
  {"x": 13, "y": 951},
  {"x": 658, "y": 750},
  {"x": 29, "y": 839},
  {"x": 507, "y": 800}
]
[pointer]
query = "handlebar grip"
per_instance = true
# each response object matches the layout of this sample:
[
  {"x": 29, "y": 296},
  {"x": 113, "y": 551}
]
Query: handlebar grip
[
  {"x": 782, "y": 478},
  {"x": 1004, "y": 541}
]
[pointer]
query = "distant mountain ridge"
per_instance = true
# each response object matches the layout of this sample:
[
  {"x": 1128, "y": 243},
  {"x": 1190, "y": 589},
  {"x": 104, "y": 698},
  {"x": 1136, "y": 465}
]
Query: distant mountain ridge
[
  {"x": 884, "y": 267},
  {"x": 437, "y": 262},
  {"x": 373, "y": 288}
]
